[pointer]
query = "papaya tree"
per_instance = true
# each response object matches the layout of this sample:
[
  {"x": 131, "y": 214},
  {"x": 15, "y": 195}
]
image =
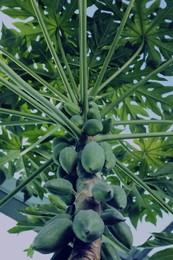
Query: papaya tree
[{"x": 86, "y": 121}]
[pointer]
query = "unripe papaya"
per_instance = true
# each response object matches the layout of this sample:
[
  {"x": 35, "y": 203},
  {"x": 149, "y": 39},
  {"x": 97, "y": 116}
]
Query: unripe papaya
[
  {"x": 59, "y": 140},
  {"x": 72, "y": 108},
  {"x": 110, "y": 159},
  {"x": 119, "y": 199},
  {"x": 77, "y": 120},
  {"x": 94, "y": 113},
  {"x": 122, "y": 232},
  {"x": 110, "y": 163},
  {"x": 53, "y": 236},
  {"x": 60, "y": 173},
  {"x": 68, "y": 159},
  {"x": 102, "y": 191},
  {"x": 107, "y": 125},
  {"x": 88, "y": 225},
  {"x": 59, "y": 186},
  {"x": 57, "y": 149},
  {"x": 68, "y": 198},
  {"x": 107, "y": 149},
  {"x": 92, "y": 127},
  {"x": 111, "y": 216},
  {"x": 92, "y": 157}
]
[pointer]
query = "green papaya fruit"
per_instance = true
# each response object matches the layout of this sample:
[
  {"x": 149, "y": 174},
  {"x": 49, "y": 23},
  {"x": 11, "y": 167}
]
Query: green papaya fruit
[
  {"x": 57, "y": 149},
  {"x": 62, "y": 254},
  {"x": 77, "y": 120},
  {"x": 107, "y": 125},
  {"x": 110, "y": 163},
  {"x": 94, "y": 113},
  {"x": 59, "y": 140},
  {"x": 112, "y": 216},
  {"x": 72, "y": 108},
  {"x": 102, "y": 191},
  {"x": 108, "y": 252},
  {"x": 59, "y": 186},
  {"x": 68, "y": 198},
  {"x": 53, "y": 236},
  {"x": 59, "y": 216},
  {"x": 92, "y": 157},
  {"x": 110, "y": 159},
  {"x": 92, "y": 127},
  {"x": 88, "y": 225},
  {"x": 122, "y": 232},
  {"x": 119, "y": 199},
  {"x": 107, "y": 149},
  {"x": 68, "y": 159},
  {"x": 60, "y": 173}
]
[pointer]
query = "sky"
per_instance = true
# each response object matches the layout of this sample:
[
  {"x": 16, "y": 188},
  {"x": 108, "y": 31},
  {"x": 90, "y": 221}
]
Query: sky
[{"x": 13, "y": 246}]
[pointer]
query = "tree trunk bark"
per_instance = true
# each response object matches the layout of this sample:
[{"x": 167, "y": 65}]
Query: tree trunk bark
[{"x": 84, "y": 201}]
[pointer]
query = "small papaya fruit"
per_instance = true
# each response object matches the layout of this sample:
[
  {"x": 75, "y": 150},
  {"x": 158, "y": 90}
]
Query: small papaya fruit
[
  {"x": 72, "y": 108},
  {"x": 59, "y": 186},
  {"x": 92, "y": 127},
  {"x": 122, "y": 232},
  {"x": 111, "y": 216},
  {"x": 60, "y": 173},
  {"x": 102, "y": 191},
  {"x": 68, "y": 159},
  {"x": 53, "y": 236},
  {"x": 88, "y": 225},
  {"x": 59, "y": 140},
  {"x": 92, "y": 157},
  {"x": 107, "y": 125},
  {"x": 119, "y": 199},
  {"x": 57, "y": 149},
  {"x": 110, "y": 163},
  {"x": 77, "y": 120},
  {"x": 94, "y": 113}
]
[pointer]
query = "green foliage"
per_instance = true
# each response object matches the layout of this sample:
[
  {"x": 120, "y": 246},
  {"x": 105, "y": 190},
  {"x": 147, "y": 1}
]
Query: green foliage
[{"x": 113, "y": 72}]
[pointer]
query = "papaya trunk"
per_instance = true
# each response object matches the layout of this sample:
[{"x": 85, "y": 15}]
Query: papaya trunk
[
  {"x": 84, "y": 200},
  {"x": 86, "y": 251}
]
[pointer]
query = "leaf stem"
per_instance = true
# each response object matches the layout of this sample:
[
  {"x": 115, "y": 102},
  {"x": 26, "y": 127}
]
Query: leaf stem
[
  {"x": 74, "y": 85},
  {"x": 138, "y": 181},
  {"x": 143, "y": 122},
  {"x": 112, "y": 49},
  {"x": 39, "y": 141},
  {"x": 34, "y": 75},
  {"x": 83, "y": 55},
  {"x": 52, "y": 111},
  {"x": 113, "y": 137},
  {"x": 25, "y": 115},
  {"x": 24, "y": 183},
  {"x": 135, "y": 87},
  {"x": 53, "y": 52},
  {"x": 122, "y": 68}
]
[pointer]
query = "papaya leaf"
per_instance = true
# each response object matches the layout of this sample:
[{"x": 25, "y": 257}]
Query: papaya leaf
[
  {"x": 159, "y": 240},
  {"x": 165, "y": 254}
]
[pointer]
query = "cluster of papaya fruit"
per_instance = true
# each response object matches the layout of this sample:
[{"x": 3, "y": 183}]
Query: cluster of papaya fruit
[{"x": 79, "y": 168}]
